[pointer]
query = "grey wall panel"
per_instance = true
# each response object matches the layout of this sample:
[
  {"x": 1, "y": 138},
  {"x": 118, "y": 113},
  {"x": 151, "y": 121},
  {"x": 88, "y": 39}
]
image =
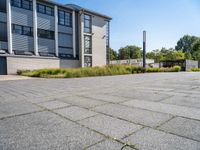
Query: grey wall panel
[
  {"x": 23, "y": 43},
  {"x": 30, "y": 63},
  {"x": 3, "y": 66},
  {"x": 4, "y": 45},
  {"x": 46, "y": 22},
  {"x": 77, "y": 34},
  {"x": 46, "y": 45},
  {"x": 22, "y": 16},
  {"x": 66, "y": 51},
  {"x": 65, "y": 29},
  {"x": 65, "y": 40},
  {"x": 3, "y": 17},
  {"x": 64, "y": 63}
]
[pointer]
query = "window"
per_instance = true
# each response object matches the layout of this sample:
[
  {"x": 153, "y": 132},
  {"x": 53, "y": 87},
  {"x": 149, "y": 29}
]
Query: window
[
  {"x": 88, "y": 61},
  {"x": 87, "y": 24},
  {"x": 64, "y": 18},
  {"x": 108, "y": 42},
  {"x": 87, "y": 44},
  {"x": 41, "y": 8},
  {"x": 3, "y": 32},
  {"x": 25, "y": 4},
  {"x": 17, "y": 29},
  {"x": 49, "y": 11},
  {"x": 45, "y": 10},
  {"x": 27, "y": 31},
  {"x": 22, "y": 30},
  {"x": 45, "y": 34},
  {"x": 2, "y": 5}
]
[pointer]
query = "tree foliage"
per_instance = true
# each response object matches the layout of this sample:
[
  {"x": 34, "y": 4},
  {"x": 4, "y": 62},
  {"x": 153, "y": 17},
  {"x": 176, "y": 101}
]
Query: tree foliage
[
  {"x": 113, "y": 54},
  {"x": 185, "y": 43},
  {"x": 130, "y": 52},
  {"x": 196, "y": 49},
  {"x": 166, "y": 54}
]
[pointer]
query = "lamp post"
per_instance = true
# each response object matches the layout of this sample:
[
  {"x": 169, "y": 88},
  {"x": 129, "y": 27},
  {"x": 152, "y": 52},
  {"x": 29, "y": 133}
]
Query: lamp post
[{"x": 144, "y": 49}]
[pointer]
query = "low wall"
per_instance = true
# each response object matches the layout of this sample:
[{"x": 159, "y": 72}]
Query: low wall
[
  {"x": 191, "y": 64},
  {"x": 136, "y": 62},
  {"x": 15, "y": 63}
]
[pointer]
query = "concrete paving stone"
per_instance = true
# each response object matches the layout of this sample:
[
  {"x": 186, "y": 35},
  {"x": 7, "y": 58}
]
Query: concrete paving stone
[
  {"x": 53, "y": 104},
  {"x": 183, "y": 111},
  {"x": 75, "y": 113},
  {"x": 144, "y": 117},
  {"x": 110, "y": 126},
  {"x": 106, "y": 97},
  {"x": 184, "y": 127},
  {"x": 81, "y": 101},
  {"x": 17, "y": 108},
  {"x": 183, "y": 101},
  {"x": 44, "y": 130},
  {"x": 37, "y": 100},
  {"x": 109, "y": 145},
  {"x": 150, "y": 139},
  {"x": 142, "y": 95}
]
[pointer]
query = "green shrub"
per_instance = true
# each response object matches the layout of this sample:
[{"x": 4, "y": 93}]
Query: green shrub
[
  {"x": 177, "y": 68},
  {"x": 153, "y": 70},
  {"x": 172, "y": 69},
  {"x": 195, "y": 70}
]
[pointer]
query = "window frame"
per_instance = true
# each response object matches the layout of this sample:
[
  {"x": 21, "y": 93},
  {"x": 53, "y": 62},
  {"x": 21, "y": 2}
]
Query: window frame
[
  {"x": 4, "y": 8},
  {"x": 21, "y": 4},
  {"x": 87, "y": 56},
  {"x": 45, "y": 9},
  {"x": 67, "y": 21},
  {"x": 90, "y": 23},
  {"x": 22, "y": 31},
  {"x": 88, "y": 50},
  {"x": 47, "y": 34}
]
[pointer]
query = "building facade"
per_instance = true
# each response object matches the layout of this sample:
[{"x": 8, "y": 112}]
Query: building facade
[{"x": 38, "y": 34}]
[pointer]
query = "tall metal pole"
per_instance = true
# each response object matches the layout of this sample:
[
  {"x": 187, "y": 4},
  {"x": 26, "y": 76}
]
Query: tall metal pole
[{"x": 144, "y": 49}]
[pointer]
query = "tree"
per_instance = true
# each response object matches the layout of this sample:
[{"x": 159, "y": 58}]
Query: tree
[
  {"x": 156, "y": 55},
  {"x": 123, "y": 54},
  {"x": 188, "y": 55},
  {"x": 166, "y": 54},
  {"x": 185, "y": 43},
  {"x": 196, "y": 49},
  {"x": 130, "y": 52},
  {"x": 113, "y": 54}
]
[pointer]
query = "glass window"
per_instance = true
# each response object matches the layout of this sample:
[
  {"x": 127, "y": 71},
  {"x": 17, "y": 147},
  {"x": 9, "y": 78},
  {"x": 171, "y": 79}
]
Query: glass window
[
  {"x": 17, "y": 29},
  {"x": 22, "y": 30},
  {"x": 16, "y": 3},
  {"x": 87, "y": 45},
  {"x": 61, "y": 17},
  {"x": 45, "y": 34},
  {"x": 45, "y": 9},
  {"x": 3, "y": 32},
  {"x": 64, "y": 18},
  {"x": 26, "y": 4},
  {"x": 88, "y": 61},
  {"x": 41, "y": 8},
  {"x": 87, "y": 24},
  {"x": 68, "y": 19},
  {"x": 49, "y": 11},
  {"x": 27, "y": 31},
  {"x": 2, "y": 5}
]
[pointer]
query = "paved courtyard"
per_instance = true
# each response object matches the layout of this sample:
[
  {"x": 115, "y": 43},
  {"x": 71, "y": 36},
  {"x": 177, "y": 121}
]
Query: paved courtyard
[{"x": 146, "y": 111}]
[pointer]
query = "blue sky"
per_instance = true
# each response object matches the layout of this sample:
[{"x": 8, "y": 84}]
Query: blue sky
[{"x": 164, "y": 20}]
